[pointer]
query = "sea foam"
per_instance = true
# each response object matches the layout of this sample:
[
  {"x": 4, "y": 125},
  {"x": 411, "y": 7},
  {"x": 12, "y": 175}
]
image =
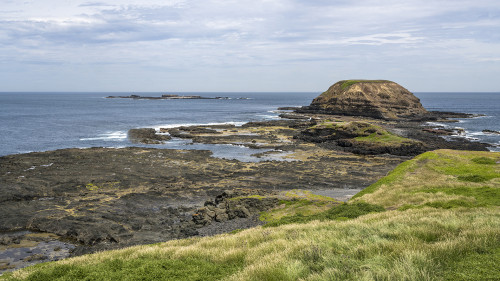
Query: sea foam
[{"x": 109, "y": 136}]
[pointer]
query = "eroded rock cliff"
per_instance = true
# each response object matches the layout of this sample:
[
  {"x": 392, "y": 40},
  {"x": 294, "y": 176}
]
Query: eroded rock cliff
[{"x": 372, "y": 98}]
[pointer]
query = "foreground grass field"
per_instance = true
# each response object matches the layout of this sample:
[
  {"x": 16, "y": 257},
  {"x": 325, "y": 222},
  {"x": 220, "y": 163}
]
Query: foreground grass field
[{"x": 436, "y": 217}]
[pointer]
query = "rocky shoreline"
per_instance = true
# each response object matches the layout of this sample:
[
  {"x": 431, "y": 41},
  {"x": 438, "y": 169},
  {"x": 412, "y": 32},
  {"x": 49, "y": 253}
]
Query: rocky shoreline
[{"x": 105, "y": 198}]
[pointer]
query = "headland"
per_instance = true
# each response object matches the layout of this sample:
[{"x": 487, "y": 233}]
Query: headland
[{"x": 103, "y": 198}]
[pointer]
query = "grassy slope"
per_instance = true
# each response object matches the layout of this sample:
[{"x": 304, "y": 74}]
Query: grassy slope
[
  {"x": 443, "y": 223},
  {"x": 445, "y": 178}
]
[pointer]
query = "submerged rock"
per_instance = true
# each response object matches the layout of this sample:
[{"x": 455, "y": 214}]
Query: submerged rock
[
  {"x": 491, "y": 132},
  {"x": 372, "y": 98}
]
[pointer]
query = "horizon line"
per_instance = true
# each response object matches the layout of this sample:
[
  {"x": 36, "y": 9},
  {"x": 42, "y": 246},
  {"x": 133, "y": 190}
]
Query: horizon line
[{"x": 174, "y": 92}]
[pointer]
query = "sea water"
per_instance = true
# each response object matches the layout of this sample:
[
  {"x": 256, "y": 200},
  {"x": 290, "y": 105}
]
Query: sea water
[
  {"x": 485, "y": 104},
  {"x": 48, "y": 121}
]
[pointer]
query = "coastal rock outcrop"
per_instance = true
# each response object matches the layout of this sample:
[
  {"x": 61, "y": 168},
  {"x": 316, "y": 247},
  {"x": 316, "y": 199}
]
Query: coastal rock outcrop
[
  {"x": 361, "y": 138},
  {"x": 380, "y": 99},
  {"x": 146, "y": 136},
  {"x": 104, "y": 198},
  {"x": 230, "y": 205}
]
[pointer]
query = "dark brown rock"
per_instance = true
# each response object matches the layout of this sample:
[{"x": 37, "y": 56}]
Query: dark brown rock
[
  {"x": 238, "y": 211},
  {"x": 362, "y": 138},
  {"x": 446, "y": 132},
  {"x": 369, "y": 148},
  {"x": 35, "y": 257},
  {"x": 221, "y": 215}
]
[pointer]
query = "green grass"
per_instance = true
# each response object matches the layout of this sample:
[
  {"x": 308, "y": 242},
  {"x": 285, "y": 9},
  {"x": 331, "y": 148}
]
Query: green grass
[
  {"x": 477, "y": 169},
  {"x": 347, "y": 83},
  {"x": 386, "y": 137},
  {"x": 366, "y": 132},
  {"x": 483, "y": 197},
  {"x": 298, "y": 202},
  {"x": 142, "y": 268},
  {"x": 339, "y": 212},
  {"x": 416, "y": 244},
  {"x": 420, "y": 222},
  {"x": 484, "y": 160},
  {"x": 395, "y": 175},
  {"x": 308, "y": 196},
  {"x": 255, "y": 196},
  {"x": 482, "y": 265},
  {"x": 439, "y": 178}
]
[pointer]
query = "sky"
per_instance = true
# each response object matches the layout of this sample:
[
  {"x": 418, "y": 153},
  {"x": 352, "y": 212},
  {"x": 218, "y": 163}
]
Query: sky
[{"x": 247, "y": 45}]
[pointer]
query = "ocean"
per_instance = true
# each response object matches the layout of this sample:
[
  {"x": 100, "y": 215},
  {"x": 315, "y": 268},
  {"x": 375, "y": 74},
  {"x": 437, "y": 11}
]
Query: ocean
[{"x": 48, "y": 121}]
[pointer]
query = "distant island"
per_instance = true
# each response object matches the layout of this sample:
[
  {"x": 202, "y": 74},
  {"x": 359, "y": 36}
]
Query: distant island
[{"x": 171, "y": 97}]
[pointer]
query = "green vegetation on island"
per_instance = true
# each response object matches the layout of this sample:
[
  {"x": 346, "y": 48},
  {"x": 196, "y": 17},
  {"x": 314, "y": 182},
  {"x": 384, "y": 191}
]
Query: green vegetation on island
[
  {"x": 380, "y": 99},
  {"x": 362, "y": 137},
  {"x": 435, "y": 217},
  {"x": 363, "y": 131},
  {"x": 348, "y": 83}
]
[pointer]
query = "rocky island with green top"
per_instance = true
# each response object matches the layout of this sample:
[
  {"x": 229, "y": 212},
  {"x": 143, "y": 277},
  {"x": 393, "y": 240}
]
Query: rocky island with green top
[{"x": 330, "y": 206}]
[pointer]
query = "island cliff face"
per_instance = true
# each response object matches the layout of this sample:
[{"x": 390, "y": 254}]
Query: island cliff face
[{"x": 371, "y": 98}]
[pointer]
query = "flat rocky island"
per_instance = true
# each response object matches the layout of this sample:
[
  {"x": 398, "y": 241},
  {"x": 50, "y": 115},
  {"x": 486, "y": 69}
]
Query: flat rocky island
[
  {"x": 169, "y": 97},
  {"x": 104, "y": 198}
]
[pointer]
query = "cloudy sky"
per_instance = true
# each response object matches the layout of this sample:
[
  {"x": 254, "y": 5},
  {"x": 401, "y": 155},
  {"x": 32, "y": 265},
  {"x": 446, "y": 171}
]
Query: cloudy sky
[{"x": 247, "y": 45}]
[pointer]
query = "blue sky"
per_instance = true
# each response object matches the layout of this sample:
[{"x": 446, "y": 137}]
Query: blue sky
[{"x": 247, "y": 45}]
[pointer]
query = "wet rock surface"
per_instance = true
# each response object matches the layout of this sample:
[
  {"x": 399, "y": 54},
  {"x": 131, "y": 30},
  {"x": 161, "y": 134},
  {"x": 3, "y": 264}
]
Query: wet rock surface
[
  {"x": 146, "y": 136},
  {"x": 432, "y": 140},
  {"x": 23, "y": 248},
  {"x": 104, "y": 198}
]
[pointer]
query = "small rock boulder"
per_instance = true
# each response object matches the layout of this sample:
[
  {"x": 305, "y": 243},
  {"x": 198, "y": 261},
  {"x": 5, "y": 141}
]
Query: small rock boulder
[
  {"x": 221, "y": 215},
  {"x": 203, "y": 216},
  {"x": 35, "y": 257}
]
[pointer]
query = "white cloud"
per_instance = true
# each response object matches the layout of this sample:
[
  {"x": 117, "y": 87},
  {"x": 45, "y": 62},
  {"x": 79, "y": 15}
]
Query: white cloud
[{"x": 255, "y": 39}]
